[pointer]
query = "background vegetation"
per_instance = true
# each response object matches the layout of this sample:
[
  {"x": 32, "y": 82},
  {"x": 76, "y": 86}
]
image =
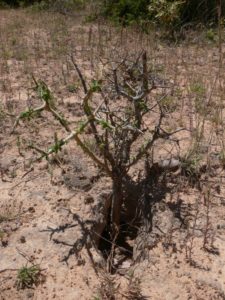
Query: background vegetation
[{"x": 163, "y": 12}]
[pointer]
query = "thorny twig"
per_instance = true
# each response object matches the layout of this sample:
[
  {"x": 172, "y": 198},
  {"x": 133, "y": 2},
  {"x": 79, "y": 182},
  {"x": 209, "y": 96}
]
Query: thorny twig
[{"x": 47, "y": 104}]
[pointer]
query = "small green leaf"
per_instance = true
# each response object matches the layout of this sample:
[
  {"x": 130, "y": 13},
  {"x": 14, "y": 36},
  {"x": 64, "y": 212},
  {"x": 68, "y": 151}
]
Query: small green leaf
[
  {"x": 44, "y": 93},
  {"x": 105, "y": 124},
  {"x": 27, "y": 114},
  {"x": 96, "y": 85}
]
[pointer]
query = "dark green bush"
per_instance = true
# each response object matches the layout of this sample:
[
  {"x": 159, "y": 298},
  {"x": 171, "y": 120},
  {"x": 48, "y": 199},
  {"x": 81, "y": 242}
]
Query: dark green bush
[
  {"x": 203, "y": 11},
  {"x": 126, "y": 11},
  {"x": 17, "y": 3},
  {"x": 45, "y": 4}
]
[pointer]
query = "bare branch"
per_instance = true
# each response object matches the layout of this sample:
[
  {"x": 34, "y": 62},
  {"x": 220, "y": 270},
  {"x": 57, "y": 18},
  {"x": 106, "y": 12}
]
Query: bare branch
[
  {"x": 28, "y": 113},
  {"x": 116, "y": 81},
  {"x": 62, "y": 121},
  {"x": 88, "y": 111},
  {"x": 79, "y": 74},
  {"x": 144, "y": 149},
  {"x": 145, "y": 71}
]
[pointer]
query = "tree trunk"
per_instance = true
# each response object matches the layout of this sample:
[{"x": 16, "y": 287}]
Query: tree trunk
[{"x": 117, "y": 202}]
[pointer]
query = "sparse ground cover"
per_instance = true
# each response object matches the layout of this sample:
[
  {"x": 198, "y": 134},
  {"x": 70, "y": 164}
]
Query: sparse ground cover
[{"x": 47, "y": 207}]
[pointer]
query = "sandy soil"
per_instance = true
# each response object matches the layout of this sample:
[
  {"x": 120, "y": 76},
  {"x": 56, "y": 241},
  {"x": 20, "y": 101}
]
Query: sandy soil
[{"x": 45, "y": 209}]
